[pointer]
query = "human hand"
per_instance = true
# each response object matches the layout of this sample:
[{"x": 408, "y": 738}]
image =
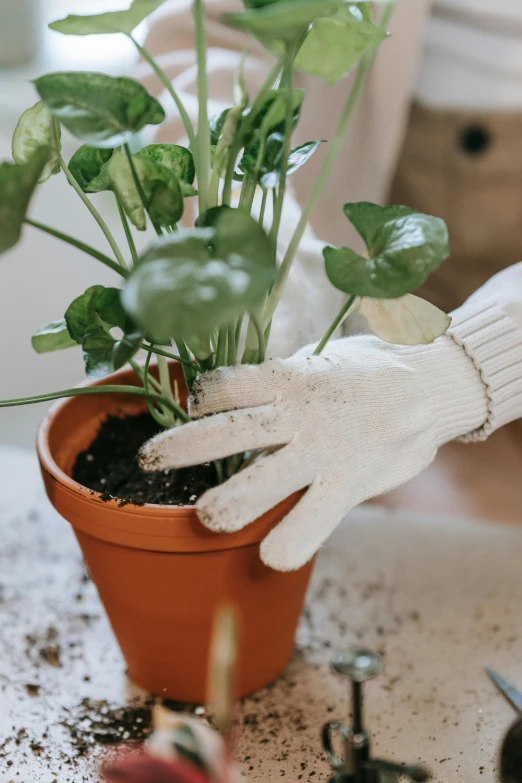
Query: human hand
[{"x": 351, "y": 424}]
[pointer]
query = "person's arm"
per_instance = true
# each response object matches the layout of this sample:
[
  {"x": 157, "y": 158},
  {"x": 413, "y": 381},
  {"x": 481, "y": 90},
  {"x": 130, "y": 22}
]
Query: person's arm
[
  {"x": 355, "y": 422},
  {"x": 489, "y": 328}
]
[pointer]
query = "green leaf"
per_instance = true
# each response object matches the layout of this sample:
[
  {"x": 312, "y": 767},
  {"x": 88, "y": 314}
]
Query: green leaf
[
  {"x": 88, "y": 168},
  {"x": 199, "y": 279},
  {"x": 216, "y": 124},
  {"x": 159, "y": 184},
  {"x": 103, "y": 111},
  {"x": 103, "y": 354},
  {"x": 177, "y": 159},
  {"x": 409, "y": 320},
  {"x": 37, "y": 128},
  {"x": 52, "y": 337},
  {"x": 17, "y": 185},
  {"x": 89, "y": 320},
  {"x": 270, "y": 174},
  {"x": 368, "y": 219},
  {"x": 402, "y": 254},
  {"x": 81, "y": 313},
  {"x": 283, "y": 20},
  {"x": 334, "y": 45},
  {"x": 111, "y": 22},
  {"x": 271, "y": 114}
]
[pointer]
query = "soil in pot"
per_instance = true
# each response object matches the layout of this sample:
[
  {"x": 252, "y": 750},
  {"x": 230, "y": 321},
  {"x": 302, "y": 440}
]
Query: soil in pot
[{"x": 110, "y": 466}]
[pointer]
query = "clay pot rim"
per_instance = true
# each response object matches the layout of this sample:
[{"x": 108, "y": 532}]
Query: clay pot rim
[{"x": 74, "y": 487}]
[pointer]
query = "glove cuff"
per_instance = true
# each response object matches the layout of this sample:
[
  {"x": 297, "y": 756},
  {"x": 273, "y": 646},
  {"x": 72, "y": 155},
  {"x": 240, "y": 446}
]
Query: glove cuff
[{"x": 493, "y": 342}]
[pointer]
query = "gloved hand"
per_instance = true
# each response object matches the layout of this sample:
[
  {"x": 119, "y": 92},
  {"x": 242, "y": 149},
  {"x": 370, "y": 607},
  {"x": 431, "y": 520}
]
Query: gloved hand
[{"x": 353, "y": 423}]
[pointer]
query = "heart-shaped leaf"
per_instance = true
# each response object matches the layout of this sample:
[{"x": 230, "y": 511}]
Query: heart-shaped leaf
[
  {"x": 177, "y": 159},
  {"x": 104, "y": 354},
  {"x": 37, "y": 128},
  {"x": 17, "y": 185},
  {"x": 271, "y": 113},
  {"x": 111, "y": 22},
  {"x": 103, "y": 111},
  {"x": 368, "y": 219},
  {"x": 81, "y": 313},
  {"x": 89, "y": 319},
  {"x": 402, "y": 253},
  {"x": 159, "y": 184},
  {"x": 270, "y": 173},
  {"x": 409, "y": 320},
  {"x": 87, "y": 165},
  {"x": 199, "y": 279},
  {"x": 53, "y": 336},
  {"x": 283, "y": 20},
  {"x": 334, "y": 45}
]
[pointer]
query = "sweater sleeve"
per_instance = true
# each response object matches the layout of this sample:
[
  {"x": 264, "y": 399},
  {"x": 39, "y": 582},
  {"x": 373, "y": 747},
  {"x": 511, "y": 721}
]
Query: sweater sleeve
[
  {"x": 488, "y": 327},
  {"x": 310, "y": 302}
]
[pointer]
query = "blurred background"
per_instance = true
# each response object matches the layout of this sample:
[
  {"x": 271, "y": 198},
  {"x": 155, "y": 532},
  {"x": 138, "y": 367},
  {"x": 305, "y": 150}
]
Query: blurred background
[{"x": 41, "y": 275}]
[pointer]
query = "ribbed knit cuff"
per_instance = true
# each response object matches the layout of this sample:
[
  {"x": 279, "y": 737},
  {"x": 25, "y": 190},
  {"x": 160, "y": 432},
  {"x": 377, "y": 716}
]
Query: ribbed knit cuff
[{"x": 493, "y": 342}]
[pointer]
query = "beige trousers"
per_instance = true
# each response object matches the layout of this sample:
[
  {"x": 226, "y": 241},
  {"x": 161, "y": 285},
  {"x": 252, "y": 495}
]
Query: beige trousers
[{"x": 465, "y": 167}]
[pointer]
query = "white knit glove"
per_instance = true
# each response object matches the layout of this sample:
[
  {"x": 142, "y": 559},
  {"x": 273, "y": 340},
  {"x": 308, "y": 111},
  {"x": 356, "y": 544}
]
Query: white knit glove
[{"x": 354, "y": 423}]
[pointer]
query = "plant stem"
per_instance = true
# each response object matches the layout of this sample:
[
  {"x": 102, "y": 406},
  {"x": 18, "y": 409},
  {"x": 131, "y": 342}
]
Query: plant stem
[
  {"x": 174, "y": 356},
  {"x": 84, "y": 390},
  {"x": 263, "y": 207},
  {"x": 333, "y": 151},
  {"x": 278, "y": 209},
  {"x": 80, "y": 245},
  {"x": 221, "y": 350},
  {"x": 164, "y": 79},
  {"x": 128, "y": 233},
  {"x": 140, "y": 373},
  {"x": 166, "y": 387},
  {"x": 260, "y": 337},
  {"x": 139, "y": 188},
  {"x": 94, "y": 212},
  {"x": 188, "y": 369},
  {"x": 203, "y": 138},
  {"x": 145, "y": 377},
  {"x": 232, "y": 351},
  {"x": 345, "y": 310}
]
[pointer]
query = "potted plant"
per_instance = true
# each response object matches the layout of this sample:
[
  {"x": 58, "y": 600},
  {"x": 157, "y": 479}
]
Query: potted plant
[{"x": 201, "y": 296}]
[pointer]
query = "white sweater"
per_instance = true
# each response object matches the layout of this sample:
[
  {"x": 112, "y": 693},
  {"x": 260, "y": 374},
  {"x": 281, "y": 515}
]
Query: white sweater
[
  {"x": 488, "y": 326},
  {"x": 472, "y": 57}
]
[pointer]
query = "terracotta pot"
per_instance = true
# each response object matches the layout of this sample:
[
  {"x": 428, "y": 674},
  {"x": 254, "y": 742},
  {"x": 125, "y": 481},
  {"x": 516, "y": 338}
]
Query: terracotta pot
[{"x": 161, "y": 575}]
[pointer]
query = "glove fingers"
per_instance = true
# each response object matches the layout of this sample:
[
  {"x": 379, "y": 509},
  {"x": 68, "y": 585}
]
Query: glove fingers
[
  {"x": 253, "y": 491},
  {"x": 229, "y": 388},
  {"x": 214, "y": 438},
  {"x": 298, "y": 537}
]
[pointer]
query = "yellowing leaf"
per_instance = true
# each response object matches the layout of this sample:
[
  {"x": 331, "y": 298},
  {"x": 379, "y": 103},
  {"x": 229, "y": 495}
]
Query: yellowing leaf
[
  {"x": 36, "y": 129},
  {"x": 409, "y": 320}
]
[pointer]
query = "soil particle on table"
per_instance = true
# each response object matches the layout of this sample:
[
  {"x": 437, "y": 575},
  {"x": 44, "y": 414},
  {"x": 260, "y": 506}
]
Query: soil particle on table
[
  {"x": 110, "y": 466},
  {"x": 97, "y": 722}
]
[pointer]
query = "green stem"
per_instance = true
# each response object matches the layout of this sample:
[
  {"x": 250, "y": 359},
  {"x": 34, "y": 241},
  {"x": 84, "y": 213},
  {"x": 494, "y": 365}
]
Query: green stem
[
  {"x": 263, "y": 207},
  {"x": 139, "y": 188},
  {"x": 229, "y": 174},
  {"x": 188, "y": 369},
  {"x": 248, "y": 192},
  {"x": 94, "y": 212},
  {"x": 203, "y": 139},
  {"x": 341, "y": 315},
  {"x": 146, "y": 378},
  {"x": 232, "y": 351},
  {"x": 260, "y": 338},
  {"x": 140, "y": 373},
  {"x": 287, "y": 144},
  {"x": 174, "y": 356},
  {"x": 164, "y": 79},
  {"x": 84, "y": 390},
  {"x": 128, "y": 233},
  {"x": 333, "y": 151},
  {"x": 221, "y": 350},
  {"x": 80, "y": 245}
]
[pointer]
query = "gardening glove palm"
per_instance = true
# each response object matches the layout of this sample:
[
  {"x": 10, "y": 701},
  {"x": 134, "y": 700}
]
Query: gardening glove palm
[{"x": 353, "y": 423}]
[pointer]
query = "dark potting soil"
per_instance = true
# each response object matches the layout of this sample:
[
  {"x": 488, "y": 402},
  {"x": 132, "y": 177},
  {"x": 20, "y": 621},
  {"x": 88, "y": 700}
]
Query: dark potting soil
[{"x": 110, "y": 466}]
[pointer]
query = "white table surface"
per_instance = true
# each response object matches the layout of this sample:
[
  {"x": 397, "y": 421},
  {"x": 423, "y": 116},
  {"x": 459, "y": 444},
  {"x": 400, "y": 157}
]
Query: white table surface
[{"x": 438, "y": 597}]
